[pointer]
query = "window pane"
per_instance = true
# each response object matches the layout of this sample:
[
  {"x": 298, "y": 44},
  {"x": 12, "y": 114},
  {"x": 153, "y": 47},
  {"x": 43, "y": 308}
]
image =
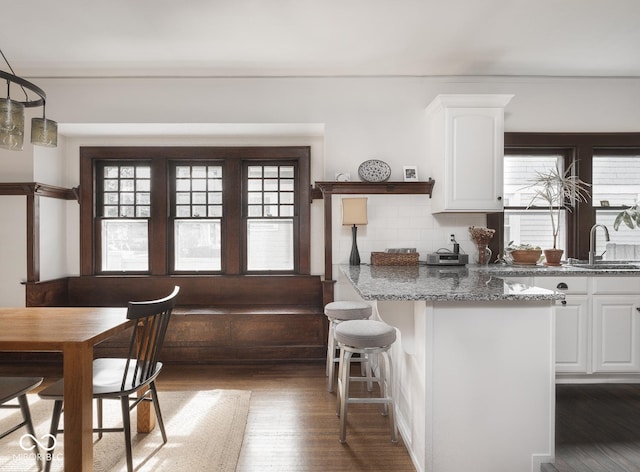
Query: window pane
[
  {"x": 270, "y": 244},
  {"x": 183, "y": 172},
  {"x": 197, "y": 245},
  {"x": 286, "y": 210},
  {"x": 215, "y": 211},
  {"x": 255, "y": 198},
  {"x": 270, "y": 224},
  {"x": 255, "y": 210},
  {"x": 126, "y": 193},
  {"x": 519, "y": 171},
  {"x": 255, "y": 172},
  {"x": 271, "y": 171},
  {"x": 111, "y": 185},
  {"x": 271, "y": 185},
  {"x": 111, "y": 172},
  {"x": 198, "y": 187},
  {"x": 533, "y": 227},
  {"x": 125, "y": 245},
  {"x": 616, "y": 179},
  {"x": 622, "y": 244},
  {"x": 286, "y": 172}
]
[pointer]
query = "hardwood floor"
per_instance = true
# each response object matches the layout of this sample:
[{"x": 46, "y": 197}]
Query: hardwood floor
[
  {"x": 597, "y": 428},
  {"x": 292, "y": 425}
]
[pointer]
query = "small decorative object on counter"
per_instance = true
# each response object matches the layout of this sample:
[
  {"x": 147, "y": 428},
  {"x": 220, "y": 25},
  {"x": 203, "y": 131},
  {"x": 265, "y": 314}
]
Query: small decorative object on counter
[
  {"x": 481, "y": 237},
  {"x": 395, "y": 257},
  {"x": 374, "y": 171},
  {"x": 522, "y": 254}
]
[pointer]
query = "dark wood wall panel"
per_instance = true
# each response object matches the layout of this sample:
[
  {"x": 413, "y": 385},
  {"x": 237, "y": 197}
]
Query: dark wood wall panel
[
  {"x": 218, "y": 319},
  {"x": 198, "y": 291}
]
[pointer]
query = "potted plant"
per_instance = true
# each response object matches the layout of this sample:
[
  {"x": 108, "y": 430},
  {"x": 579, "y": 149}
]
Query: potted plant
[
  {"x": 558, "y": 191},
  {"x": 629, "y": 216},
  {"x": 526, "y": 254}
]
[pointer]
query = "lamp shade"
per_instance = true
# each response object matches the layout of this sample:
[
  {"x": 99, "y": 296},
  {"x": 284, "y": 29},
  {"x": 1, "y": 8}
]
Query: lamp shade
[
  {"x": 11, "y": 124},
  {"x": 44, "y": 132},
  {"x": 354, "y": 211}
]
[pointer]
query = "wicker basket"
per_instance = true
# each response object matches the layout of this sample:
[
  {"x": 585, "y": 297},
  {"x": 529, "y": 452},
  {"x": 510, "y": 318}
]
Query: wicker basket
[{"x": 394, "y": 258}]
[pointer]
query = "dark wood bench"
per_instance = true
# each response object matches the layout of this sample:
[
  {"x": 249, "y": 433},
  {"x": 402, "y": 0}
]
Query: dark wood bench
[{"x": 218, "y": 319}]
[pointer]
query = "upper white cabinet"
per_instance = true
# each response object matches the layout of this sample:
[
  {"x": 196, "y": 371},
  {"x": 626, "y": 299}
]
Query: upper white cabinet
[{"x": 466, "y": 149}]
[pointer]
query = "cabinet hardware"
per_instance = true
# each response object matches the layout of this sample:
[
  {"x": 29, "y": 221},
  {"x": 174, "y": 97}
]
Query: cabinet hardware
[
  {"x": 638, "y": 308},
  {"x": 562, "y": 286},
  {"x": 564, "y": 302},
  {"x": 499, "y": 198}
]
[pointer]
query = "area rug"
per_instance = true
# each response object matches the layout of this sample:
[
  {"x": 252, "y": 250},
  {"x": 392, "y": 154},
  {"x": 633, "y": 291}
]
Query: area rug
[{"x": 205, "y": 430}]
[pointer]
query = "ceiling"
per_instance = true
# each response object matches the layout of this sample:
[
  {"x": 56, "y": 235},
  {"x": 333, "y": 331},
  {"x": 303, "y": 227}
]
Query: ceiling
[{"x": 77, "y": 38}]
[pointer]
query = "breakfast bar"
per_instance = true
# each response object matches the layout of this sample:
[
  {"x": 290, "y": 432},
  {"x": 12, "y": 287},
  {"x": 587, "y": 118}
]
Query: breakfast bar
[{"x": 474, "y": 365}]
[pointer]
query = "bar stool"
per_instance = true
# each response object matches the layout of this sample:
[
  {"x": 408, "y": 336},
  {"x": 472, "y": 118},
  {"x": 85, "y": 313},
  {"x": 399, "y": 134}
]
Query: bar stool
[
  {"x": 372, "y": 339},
  {"x": 337, "y": 312}
]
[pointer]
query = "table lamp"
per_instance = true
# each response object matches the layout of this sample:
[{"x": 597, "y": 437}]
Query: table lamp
[{"x": 354, "y": 212}]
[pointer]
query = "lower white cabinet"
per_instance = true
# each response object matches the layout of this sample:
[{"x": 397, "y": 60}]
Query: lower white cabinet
[
  {"x": 572, "y": 322},
  {"x": 616, "y": 333},
  {"x": 597, "y": 326},
  {"x": 572, "y": 334}
]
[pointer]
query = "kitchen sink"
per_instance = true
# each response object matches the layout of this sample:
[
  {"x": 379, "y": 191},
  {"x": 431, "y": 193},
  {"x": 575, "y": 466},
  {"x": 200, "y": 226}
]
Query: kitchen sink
[{"x": 604, "y": 266}]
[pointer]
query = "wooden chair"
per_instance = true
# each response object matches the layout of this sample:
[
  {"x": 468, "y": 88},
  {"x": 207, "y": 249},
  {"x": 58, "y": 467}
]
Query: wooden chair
[
  {"x": 16, "y": 388},
  {"x": 130, "y": 379}
]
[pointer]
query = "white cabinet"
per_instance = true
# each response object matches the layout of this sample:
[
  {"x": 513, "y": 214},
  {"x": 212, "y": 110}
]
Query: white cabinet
[
  {"x": 572, "y": 322},
  {"x": 466, "y": 151},
  {"x": 597, "y": 327},
  {"x": 616, "y": 324},
  {"x": 616, "y": 333},
  {"x": 572, "y": 334}
]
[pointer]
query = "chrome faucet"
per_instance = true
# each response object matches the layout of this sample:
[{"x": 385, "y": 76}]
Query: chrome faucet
[{"x": 592, "y": 241}]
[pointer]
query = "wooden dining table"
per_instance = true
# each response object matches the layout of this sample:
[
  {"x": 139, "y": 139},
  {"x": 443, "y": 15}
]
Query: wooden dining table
[{"x": 73, "y": 331}]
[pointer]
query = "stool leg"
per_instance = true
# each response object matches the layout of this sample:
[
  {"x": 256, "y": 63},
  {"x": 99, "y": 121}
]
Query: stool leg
[
  {"x": 382, "y": 381},
  {"x": 345, "y": 367},
  {"x": 388, "y": 392},
  {"x": 340, "y": 383},
  {"x": 331, "y": 356}
]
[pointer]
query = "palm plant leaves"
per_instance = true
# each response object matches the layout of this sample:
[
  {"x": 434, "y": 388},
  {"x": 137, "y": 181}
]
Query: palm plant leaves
[{"x": 559, "y": 190}]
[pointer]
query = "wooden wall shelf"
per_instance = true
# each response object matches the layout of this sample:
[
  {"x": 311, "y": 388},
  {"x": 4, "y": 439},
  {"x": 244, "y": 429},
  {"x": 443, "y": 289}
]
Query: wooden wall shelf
[
  {"x": 324, "y": 190},
  {"x": 372, "y": 188}
]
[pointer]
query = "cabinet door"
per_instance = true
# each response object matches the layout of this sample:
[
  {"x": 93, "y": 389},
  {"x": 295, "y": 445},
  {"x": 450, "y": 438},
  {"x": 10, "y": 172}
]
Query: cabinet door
[
  {"x": 572, "y": 334},
  {"x": 616, "y": 333},
  {"x": 474, "y": 148}
]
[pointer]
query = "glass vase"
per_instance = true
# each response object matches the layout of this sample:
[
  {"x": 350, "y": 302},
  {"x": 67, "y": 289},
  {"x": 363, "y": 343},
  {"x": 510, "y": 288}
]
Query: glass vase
[{"x": 484, "y": 254}]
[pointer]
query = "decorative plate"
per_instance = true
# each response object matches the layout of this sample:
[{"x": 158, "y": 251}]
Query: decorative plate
[{"x": 374, "y": 170}]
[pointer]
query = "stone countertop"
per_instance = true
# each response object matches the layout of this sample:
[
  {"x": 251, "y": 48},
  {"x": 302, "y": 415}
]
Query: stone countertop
[
  {"x": 455, "y": 283},
  {"x": 508, "y": 270}
]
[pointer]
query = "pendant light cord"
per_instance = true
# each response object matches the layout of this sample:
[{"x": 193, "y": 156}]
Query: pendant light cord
[{"x": 8, "y": 81}]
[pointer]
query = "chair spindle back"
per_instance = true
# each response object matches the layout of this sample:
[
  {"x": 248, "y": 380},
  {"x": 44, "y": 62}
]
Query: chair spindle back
[{"x": 148, "y": 336}]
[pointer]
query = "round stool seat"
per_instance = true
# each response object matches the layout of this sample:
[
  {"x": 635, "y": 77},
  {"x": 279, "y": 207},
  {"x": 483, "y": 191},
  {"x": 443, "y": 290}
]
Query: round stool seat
[
  {"x": 365, "y": 334},
  {"x": 347, "y": 310}
]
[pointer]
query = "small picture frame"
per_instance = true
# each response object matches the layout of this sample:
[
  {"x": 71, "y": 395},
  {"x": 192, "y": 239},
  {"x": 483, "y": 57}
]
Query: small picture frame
[
  {"x": 410, "y": 173},
  {"x": 604, "y": 203}
]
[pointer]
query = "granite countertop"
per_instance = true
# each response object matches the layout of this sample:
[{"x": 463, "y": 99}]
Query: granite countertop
[
  {"x": 409, "y": 283},
  {"x": 611, "y": 268}
]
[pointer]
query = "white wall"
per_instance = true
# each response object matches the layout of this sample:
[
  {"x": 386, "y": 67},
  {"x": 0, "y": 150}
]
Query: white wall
[
  {"x": 13, "y": 250},
  {"x": 362, "y": 118}
]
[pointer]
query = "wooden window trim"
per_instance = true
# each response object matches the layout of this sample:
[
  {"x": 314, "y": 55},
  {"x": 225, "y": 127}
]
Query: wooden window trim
[
  {"x": 581, "y": 147},
  {"x": 160, "y": 158}
]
